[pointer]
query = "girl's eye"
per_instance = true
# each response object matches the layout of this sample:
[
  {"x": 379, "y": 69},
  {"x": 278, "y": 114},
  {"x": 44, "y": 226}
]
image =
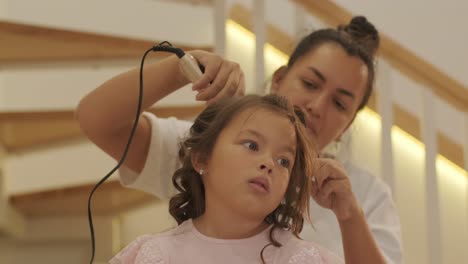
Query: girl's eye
[
  {"x": 284, "y": 162},
  {"x": 251, "y": 145}
]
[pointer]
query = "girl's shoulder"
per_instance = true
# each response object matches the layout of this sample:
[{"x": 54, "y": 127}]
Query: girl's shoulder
[
  {"x": 296, "y": 251},
  {"x": 150, "y": 248},
  {"x": 144, "y": 249}
]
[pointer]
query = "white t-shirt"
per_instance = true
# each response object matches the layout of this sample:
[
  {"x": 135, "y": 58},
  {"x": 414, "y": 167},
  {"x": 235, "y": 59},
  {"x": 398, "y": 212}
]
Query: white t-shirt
[
  {"x": 373, "y": 195},
  {"x": 185, "y": 244}
]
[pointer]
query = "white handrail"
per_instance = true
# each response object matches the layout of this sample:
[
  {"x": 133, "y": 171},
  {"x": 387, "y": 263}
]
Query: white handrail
[
  {"x": 299, "y": 20},
  {"x": 385, "y": 109},
  {"x": 432, "y": 190},
  {"x": 465, "y": 157},
  {"x": 260, "y": 39},
  {"x": 220, "y": 17}
]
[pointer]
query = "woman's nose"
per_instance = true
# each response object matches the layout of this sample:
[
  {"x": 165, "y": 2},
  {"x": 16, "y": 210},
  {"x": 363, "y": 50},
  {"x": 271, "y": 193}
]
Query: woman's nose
[{"x": 316, "y": 106}]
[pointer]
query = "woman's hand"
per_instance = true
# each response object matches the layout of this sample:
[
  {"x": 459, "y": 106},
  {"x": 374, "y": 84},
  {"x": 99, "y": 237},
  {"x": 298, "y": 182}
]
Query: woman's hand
[
  {"x": 331, "y": 189},
  {"x": 222, "y": 78}
]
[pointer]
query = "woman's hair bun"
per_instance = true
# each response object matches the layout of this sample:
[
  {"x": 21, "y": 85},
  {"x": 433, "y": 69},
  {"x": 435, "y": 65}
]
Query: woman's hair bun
[{"x": 363, "y": 32}]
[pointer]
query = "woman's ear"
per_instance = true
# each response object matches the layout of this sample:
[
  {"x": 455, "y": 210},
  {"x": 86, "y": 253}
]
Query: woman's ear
[{"x": 277, "y": 78}]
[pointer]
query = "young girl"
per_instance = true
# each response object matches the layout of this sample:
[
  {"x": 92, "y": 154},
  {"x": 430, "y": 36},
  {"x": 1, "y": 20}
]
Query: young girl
[{"x": 243, "y": 190}]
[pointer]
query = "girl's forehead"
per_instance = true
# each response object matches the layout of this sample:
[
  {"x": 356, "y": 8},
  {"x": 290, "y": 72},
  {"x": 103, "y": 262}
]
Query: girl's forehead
[
  {"x": 263, "y": 120},
  {"x": 253, "y": 115}
]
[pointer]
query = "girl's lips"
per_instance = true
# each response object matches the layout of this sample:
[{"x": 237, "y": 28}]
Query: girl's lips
[{"x": 260, "y": 184}]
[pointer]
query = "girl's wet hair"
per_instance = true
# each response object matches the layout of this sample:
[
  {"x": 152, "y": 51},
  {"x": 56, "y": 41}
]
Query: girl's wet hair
[
  {"x": 189, "y": 203},
  {"x": 359, "y": 38}
]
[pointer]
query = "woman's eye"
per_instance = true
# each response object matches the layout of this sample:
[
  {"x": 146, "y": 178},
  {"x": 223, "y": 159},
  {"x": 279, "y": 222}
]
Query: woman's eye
[
  {"x": 251, "y": 145},
  {"x": 284, "y": 162},
  {"x": 340, "y": 105},
  {"x": 310, "y": 85}
]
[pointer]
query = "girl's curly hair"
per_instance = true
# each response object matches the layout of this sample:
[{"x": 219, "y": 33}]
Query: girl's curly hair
[{"x": 189, "y": 203}]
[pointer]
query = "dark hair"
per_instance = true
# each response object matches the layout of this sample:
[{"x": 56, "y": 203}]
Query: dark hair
[
  {"x": 359, "y": 38},
  {"x": 190, "y": 201}
]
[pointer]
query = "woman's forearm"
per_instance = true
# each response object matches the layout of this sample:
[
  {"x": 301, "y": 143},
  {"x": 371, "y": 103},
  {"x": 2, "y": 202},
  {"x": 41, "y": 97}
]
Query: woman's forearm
[
  {"x": 358, "y": 244},
  {"x": 116, "y": 99}
]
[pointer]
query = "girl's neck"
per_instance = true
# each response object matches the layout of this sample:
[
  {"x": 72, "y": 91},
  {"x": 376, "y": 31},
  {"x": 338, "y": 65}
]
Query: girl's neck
[{"x": 225, "y": 224}]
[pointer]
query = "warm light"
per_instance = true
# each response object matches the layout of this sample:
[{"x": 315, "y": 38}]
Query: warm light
[
  {"x": 242, "y": 36},
  {"x": 411, "y": 144},
  {"x": 416, "y": 148},
  {"x": 452, "y": 173},
  {"x": 274, "y": 58},
  {"x": 241, "y": 32},
  {"x": 370, "y": 118}
]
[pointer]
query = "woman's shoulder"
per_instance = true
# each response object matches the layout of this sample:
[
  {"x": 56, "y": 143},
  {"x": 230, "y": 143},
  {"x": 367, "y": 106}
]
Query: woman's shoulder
[
  {"x": 371, "y": 191},
  {"x": 173, "y": 121},
  {"x": 363, "y": 179}
]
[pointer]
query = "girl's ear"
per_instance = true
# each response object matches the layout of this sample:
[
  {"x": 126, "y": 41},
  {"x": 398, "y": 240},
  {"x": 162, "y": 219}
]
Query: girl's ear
[{"x": 197, "y": 162}]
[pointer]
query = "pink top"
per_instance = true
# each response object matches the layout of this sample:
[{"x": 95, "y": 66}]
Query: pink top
[{"x": 184, "y": 244}]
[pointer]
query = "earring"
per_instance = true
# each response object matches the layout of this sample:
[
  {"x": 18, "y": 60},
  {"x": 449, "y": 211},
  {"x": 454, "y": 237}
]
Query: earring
[{"x": 201, "y": 172}]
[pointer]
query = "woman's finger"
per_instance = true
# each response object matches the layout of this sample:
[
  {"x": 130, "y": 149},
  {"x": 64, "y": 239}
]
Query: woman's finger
[
  {"x": 230, "y": 88},
  {"x": 212, "y": 64},
  {"x": 328, "y": 169},
  {"x": 241, "y": 86},
  {"x": 217, "y": 85},
  {"x": 333, "y": 186}
]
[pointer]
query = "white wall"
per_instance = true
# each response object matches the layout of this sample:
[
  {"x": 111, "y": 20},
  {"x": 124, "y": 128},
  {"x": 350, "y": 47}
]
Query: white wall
[
  {"x": 138, "y": 19},
  {"x": 434, "y": 30}
]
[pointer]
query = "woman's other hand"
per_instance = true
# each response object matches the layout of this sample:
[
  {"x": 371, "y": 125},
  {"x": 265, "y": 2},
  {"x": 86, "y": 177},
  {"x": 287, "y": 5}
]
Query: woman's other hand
[{"x": 332, "y": 189}]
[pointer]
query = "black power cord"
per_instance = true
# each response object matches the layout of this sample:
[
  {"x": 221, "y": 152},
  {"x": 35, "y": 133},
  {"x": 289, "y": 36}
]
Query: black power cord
[{"x": 164, "y": 46}]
